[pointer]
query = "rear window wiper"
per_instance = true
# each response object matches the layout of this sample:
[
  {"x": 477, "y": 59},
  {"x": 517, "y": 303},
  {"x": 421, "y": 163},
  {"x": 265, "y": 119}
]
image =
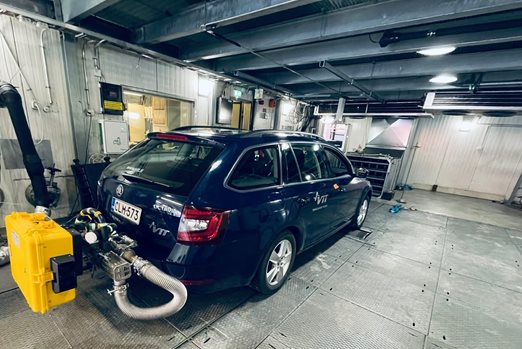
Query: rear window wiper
[{"x": 134, "y": 178}]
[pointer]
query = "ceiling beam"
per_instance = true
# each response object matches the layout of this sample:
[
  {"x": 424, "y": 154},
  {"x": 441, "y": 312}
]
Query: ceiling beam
[
  {"x": 75, "y": 10},
  {"x": 360, "y": 47},
  {"x": 349, "y": 22},
  {"x": 210, "y": 15},
  {"x": 39, "y": 7},
  {"x": 260, "y": 82},
  {"x": 483, "y": 62}
]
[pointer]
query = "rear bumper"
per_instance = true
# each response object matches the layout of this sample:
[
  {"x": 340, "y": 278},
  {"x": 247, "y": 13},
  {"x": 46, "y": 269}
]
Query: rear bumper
[{"x": 207, "y": 268}]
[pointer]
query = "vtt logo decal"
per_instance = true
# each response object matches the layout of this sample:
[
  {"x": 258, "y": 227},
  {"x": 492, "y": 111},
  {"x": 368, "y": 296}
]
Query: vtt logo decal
[
  {"x": 157, "y": 230},
  {"x": 320, "y": 199}
]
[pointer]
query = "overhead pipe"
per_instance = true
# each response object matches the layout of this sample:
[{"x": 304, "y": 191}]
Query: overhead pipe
[
  {"x": 10, "y": 99},
  {"x": 391, "y": 36},
  {"x": 87, "y": 111},
  {"x": 370, "y": 94}
]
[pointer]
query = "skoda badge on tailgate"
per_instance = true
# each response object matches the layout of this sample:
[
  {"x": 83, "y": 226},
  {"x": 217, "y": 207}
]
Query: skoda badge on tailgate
[{"x": 119, "y": 190}]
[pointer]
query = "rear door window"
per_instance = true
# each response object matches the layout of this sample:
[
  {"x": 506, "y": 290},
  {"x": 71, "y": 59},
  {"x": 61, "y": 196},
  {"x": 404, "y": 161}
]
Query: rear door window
[
  {"x": 175, "y": 165},
  {"x": 311, "y": 160},
  {"x": 258, "y": 168}
]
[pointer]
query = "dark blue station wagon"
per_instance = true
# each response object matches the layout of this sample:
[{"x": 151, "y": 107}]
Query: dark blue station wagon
[{"x": 219, "y": 208}]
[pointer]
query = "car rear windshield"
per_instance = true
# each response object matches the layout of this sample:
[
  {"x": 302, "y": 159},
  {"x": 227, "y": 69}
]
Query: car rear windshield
[{"x": 173, "y": 164}]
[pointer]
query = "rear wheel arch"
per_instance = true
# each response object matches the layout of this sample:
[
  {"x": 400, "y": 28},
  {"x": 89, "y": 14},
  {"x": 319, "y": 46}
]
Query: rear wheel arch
[{"x": 298, "y": 236}]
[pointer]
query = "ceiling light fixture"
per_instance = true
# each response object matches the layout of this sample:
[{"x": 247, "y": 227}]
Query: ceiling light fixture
[
  {"x": 443, "y": 79},
  {"x": 437, "y": 51}
]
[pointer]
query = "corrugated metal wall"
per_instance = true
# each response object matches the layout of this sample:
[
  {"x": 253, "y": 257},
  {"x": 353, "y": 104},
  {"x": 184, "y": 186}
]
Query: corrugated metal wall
[
  {"x": 67, "y": 125},
  {"x": 111, "y": 64},
  {"x": 485, "y": 161},
  {"x": 23, "y": 40}
]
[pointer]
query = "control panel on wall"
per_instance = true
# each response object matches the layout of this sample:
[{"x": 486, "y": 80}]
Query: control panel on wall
[{"x": 115, "y": 136}]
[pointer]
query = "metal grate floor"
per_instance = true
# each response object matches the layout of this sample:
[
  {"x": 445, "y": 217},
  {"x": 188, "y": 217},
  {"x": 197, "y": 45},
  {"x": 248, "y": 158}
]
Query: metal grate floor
[{"x": 419, "y": 280}]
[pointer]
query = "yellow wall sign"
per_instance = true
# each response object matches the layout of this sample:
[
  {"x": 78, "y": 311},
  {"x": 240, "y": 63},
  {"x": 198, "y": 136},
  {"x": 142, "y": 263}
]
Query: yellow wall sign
[{"x": 112, "y": 105}]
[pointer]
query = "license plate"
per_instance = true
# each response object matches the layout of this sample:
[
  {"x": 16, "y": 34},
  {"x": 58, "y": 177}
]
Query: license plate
[{"x": 126, "y": 210}]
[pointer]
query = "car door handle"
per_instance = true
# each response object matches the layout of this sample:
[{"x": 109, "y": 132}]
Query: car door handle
[{"x": 303, "y": 201}]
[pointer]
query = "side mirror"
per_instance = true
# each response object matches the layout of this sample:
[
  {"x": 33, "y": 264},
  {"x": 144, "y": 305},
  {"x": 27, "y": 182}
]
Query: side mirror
[{"x": 361, "y": 172}]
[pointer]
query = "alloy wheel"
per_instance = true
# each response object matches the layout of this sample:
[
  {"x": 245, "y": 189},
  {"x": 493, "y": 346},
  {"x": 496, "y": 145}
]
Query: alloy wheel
[
  {"x": 363, "y": 210},
  {"x": 279, "y": 263}
]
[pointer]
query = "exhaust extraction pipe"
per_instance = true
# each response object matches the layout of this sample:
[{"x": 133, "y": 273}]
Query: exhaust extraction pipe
[
  {"x": 149, "y": 272},
  {"x": 117, "y": 258},
  {"x": 10, "y": 99}
]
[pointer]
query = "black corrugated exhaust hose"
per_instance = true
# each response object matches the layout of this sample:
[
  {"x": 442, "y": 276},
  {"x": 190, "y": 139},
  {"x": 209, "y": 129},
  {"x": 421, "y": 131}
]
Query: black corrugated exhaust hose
[{"x": 10, "y": 99}]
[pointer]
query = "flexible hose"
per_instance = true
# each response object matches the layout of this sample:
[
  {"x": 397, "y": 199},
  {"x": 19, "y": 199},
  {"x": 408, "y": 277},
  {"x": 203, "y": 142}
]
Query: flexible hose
[
  {"x": 11, "y": 99},
  {"x": 156, "y": 276}
]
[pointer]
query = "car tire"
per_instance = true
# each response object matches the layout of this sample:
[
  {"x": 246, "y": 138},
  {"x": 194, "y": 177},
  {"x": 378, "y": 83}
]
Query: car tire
[
  {"x": 361, "y": 213},
  {"x": 276, "y": 265}
]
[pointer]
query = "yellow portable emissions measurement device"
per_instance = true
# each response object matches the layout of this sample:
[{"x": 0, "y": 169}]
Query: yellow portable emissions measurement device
[{"x": 42, "y": 261}]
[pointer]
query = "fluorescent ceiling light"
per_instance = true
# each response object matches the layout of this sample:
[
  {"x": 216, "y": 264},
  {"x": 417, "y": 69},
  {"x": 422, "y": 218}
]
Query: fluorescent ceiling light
[
  {"x": 443, "y": 79},
  {"x": 437, "y": 51},
  {"x": 130, "y": 93}
]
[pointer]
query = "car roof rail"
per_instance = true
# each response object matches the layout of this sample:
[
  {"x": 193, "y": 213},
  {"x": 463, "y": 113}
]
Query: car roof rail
[
  {"x": 200, "y": 127},
  {"x": 286, "y": 132}
]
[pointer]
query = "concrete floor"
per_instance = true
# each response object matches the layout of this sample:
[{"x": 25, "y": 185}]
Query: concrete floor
[{"x": 438, "y": 277}]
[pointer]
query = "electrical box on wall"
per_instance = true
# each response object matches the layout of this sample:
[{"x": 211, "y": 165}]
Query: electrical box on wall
[
  {"x": 115, "y": 136},
  {"x": 111, "y": 98}
]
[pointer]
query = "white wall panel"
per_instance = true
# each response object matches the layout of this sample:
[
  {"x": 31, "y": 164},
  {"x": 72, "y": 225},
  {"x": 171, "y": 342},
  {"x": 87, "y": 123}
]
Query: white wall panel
[
  {"x": 357, "y": 133},
  {"x": 67, "y": 78},
  {"x": 122, "y": 67},
  {"x": 482, "y": 162},
  {"x": 431, "y": 141},
  {"x": 23, "y": 39},
  {"x": 501, "y": 156},
  {"x": 461, "y": 157}
]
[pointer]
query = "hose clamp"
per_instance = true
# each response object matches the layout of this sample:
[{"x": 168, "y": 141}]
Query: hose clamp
[
  {"x": 118, "y": 288},
  {"x": 139, "y": 263}
]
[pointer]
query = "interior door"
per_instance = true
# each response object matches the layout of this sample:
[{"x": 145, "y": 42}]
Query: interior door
[
  {"x": 500, "y": 163},
  {"x": 246, "y": 115},
  {"x": 236, "y": 115}
]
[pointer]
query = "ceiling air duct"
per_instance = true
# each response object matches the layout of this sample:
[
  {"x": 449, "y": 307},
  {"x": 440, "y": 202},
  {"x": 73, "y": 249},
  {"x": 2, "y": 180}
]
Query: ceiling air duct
[
  {"x": 491, "y": 103},
  {"x": 399, "y": 109}
]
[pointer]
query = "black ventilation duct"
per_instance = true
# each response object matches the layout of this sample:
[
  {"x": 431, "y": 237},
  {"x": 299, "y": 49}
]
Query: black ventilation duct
[{"x": 10, "y": 99}]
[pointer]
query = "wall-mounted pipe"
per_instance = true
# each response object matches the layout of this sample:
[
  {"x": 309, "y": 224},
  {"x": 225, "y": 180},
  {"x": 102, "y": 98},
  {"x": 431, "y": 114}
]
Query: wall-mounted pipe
[
  {"x": 10, "y": 99},
  {"x": 15, "y": 62},
  {"x": 86, "y": 82},
  {"x": 46, "y": 71}
]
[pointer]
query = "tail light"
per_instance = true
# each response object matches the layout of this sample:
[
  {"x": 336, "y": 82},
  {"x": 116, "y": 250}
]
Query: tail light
[{"x": 199, "y": 225}]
